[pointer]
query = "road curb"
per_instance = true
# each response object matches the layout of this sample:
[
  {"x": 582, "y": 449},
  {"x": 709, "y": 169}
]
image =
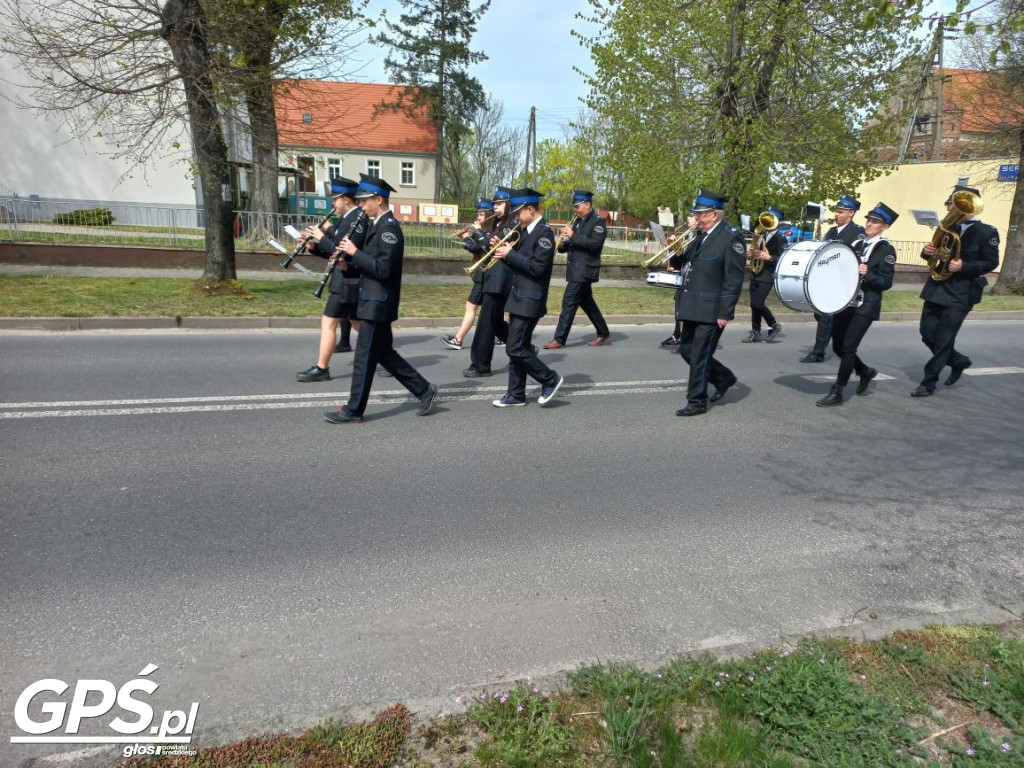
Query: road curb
[{"x": 262, "y": 323}]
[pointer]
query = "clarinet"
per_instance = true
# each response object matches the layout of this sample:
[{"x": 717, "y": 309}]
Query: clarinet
[
  {"x": 337, "y": 255},
  {"x": 299, "y": 246}
]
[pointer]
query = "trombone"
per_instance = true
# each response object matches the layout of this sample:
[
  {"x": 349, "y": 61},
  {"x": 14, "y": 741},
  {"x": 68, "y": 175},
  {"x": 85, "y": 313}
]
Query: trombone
[
  {"x": 486, "y": 261},
  {"x": 675, "y": 248}
]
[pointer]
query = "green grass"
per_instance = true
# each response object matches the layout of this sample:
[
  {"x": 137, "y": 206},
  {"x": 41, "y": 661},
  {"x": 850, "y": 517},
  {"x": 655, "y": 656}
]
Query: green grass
[
  {"x": 827, "y": 702},
  {"x": 58, "y": 296}
]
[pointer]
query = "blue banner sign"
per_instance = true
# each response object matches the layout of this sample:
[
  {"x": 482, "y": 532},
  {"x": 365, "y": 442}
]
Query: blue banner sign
[{"x": 1008, "y": 172}]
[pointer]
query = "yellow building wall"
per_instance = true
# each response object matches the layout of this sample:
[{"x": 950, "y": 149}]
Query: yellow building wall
[{"x": 927, "y": 185}]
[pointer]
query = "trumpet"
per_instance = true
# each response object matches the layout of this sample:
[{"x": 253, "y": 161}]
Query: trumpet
[
  {"x": 486, "y": 261},
  {"x": 766, "y": 222},
  {"x": 945, "y": 240},
  {"x": 675, "y": 248},
  {"x": 560, "y": 240}
]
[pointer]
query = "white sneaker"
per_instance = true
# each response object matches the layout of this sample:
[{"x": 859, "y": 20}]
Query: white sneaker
[{"x": 451, "y": 342}]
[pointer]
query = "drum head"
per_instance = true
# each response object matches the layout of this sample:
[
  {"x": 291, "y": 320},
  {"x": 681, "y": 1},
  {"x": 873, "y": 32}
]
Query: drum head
[{"x": 832, "y": 278}]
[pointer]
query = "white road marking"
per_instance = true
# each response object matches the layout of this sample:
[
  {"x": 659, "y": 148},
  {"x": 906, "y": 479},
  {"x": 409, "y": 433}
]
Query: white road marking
[
  {"x": 832, "y": 377},
  {"x": 992, "y": 371}
]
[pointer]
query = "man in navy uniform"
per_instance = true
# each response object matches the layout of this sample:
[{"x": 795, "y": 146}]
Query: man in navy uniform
[
  {"x": 712, "y": 278},
  {"x": 844, "y": 231},
  {"x": 877, "y": 267},
  {"x": 530, "y": 261},
  {"x": 761, "y": 284},
  {"x": 497, "y": 281},
  {"x": 948, "y": 302},
  {"x": 343, "y": 290},
  {"x": 380, "y": 283},
  {"x": 583, "y": 244}
]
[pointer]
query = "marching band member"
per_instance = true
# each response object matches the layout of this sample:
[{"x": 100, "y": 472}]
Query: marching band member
[
  {"x": 484, "y": 210},
  {"x": 530, "y": 261},
  {"x": 948, "y": 302},
  {"x": 847, "y": 232},
  {"x": 583, "y": 244},
  {"x": 380, "y": 284},
  {"x": 712, "y": 279},
  {"x": 497, "y": 280},
  {"x": 877, "y": 267},
  {"x": 761, "y": 284},
  {"x": 343, "y": 290}
]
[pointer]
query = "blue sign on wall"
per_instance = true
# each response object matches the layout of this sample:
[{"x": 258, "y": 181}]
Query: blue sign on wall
[{"x": 1008, "y": 172}]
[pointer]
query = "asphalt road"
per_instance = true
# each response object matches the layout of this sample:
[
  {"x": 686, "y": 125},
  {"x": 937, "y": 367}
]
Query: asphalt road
[{"x": 175, "y": 498}]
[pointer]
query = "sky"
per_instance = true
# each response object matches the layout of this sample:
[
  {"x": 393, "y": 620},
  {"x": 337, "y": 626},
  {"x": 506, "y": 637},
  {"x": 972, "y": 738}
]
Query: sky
[{"x": 531, "y": 55}]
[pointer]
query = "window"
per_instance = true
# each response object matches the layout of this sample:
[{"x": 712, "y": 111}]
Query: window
[
  {"x": 373, "y": 168},
  {"x": 333, "y": 167},
  {"x": 408, "y": 173},
  {"x": 307, "y": 117},
  {"x": 307, "y": 175}
]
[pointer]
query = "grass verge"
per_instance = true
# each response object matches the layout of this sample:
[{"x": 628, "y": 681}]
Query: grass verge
[
  {"x": 60, "y": 296},
  {"x": 941, "y": 696}
]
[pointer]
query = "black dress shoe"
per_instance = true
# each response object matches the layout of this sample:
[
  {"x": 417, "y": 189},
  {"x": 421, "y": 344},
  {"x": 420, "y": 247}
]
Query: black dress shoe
[
  {"x": 956, "y": 372},
  {"x": 835, "y": 397},
  {"x": 869, "y": 374},
  {"x": 314, "y": 373},
  {"x": 476, "y": 373},
  {"x": 343, "y": 416},
  {"x": 342, "y": 347},
  {"x": 720, "y": 391},
  {"x": 921, "y": 391},
  {"x": 693, "y": 409},
  {"x": 812, "y": 357}
]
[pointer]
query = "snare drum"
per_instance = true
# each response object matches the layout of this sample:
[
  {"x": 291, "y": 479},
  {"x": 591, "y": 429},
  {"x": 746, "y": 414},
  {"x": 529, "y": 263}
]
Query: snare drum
[
  {"x": 665, "y": 279},
  {"x": 817, "y": 276}
]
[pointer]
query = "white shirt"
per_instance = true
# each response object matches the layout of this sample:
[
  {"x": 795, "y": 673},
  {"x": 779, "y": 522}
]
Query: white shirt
[
  {"x": 868, "y": 245},
  {"x": 533, "y": 224}
]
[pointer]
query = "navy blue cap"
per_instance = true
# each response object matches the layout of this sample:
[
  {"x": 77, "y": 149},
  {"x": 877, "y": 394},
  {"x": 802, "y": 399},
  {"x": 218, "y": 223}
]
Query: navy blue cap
[
  {"x": 582, "y": 196},
  {"x": 849, "y": 203},
  {"x": 524, "y": 196},
  {"x": 883, "y": 212},
  {"x": 369, "y": 186},
  {"x": 708, "y": 201},
  {"x": 777, "y": 213},
  {"x": 501, "y": 194},
  {"x": 342, "y": 186},
  {"x": 961, "y": 188},
  {"x": 484, "y": 205}
]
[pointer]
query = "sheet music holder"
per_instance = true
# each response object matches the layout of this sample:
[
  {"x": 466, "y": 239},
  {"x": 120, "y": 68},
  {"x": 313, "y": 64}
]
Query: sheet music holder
[
  {"x": 659, "y": 233},
  {"x": 925, "y": 218}
]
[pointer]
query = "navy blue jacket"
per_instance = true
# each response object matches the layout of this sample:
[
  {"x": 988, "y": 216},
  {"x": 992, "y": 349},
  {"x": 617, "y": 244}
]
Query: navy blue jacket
[
  {"x": 380, "y": 265},
  {"x": 531, "y": 261}
]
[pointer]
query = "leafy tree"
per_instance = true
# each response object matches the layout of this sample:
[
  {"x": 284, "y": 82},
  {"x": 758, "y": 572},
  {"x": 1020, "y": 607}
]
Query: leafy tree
[
  {"x": 492, "y": 152},
  {"x": 731, "y": 94},
  {"x": 430, "y": 56}
]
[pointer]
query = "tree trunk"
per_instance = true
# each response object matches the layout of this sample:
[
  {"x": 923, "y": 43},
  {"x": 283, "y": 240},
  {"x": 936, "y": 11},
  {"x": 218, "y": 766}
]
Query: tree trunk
[
  {"x": 1011, "y": 271},
  {"x": 259, "y": 99},
  {"x": 185, "y": 32}
]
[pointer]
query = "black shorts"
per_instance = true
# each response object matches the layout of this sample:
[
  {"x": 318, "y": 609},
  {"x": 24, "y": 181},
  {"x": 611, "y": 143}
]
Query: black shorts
[
  {"x": 339, "y": 309},
  {"x": 476, "y": 296}
]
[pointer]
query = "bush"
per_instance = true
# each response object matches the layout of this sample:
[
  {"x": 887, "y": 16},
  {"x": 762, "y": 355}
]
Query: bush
[{"x": 88, "y": 217}]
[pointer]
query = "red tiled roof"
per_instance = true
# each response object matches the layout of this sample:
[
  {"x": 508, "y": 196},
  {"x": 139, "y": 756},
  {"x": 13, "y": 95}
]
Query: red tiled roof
[
  {"x": 343, "y": 118},
  {"x": 980, "y": 97}
]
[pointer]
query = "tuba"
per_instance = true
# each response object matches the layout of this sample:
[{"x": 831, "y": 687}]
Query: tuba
[
  {"x": 947, "y": 242},
  {"x": 675, "y": 248},
  {"x": 766, "y": 222}
]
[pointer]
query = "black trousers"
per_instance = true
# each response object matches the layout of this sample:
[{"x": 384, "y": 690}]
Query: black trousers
[
  {"x": 697, "y": 347},
  {"x": 489, "y": 325},
  {"x": 758, "y": 309},
  {"x": 375, "y": 347},
  {"x": 522, "y": 357},
  {"x": 822, "y": 334},
  {"x": 939, "y": 327},
  {"x": 848, "y": 331},
  {"x": 576, "y": 296}
]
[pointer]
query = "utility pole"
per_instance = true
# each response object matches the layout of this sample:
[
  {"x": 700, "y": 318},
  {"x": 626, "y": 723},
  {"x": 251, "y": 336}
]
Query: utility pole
[
  {"x": 530, "y": 172},
  {"x": 939, "y": 77}
]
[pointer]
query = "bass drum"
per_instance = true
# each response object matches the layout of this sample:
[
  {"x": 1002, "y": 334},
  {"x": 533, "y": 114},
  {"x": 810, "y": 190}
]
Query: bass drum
[{"x": 817, "y": 276}]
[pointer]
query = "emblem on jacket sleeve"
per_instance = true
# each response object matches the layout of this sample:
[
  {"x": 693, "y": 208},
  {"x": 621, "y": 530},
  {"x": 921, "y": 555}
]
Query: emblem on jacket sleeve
[
  {"x": 545, "y": 243},
  {"x": 389, "y": 237},
  {"x": 738, "y": 247},
  {"x": 995, "y": 240},
  {"x": 599, "y": 229},
  {"x": 890, "y": 258}
]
